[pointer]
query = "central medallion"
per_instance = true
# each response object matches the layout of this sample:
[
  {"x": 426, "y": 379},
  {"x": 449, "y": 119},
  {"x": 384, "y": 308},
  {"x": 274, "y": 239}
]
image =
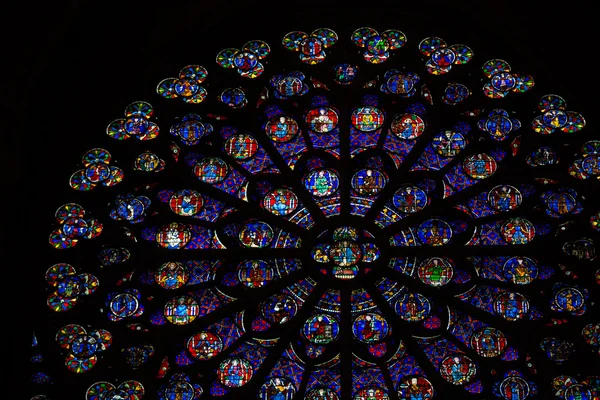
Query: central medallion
[{"x": 345, "y": 249}]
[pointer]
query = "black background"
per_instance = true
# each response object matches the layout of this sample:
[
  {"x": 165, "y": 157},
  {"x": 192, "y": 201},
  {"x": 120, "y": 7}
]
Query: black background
[{"x": 78, "y": 64}]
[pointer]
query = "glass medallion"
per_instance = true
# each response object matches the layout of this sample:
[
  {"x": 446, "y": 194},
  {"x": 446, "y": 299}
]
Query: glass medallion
[
  {"x": 211, "y": 170},
  {"x": 186, "y": 202},
  {"x": 322, "y": 119},
  {"x": 488, "y": 342},
  {"x": 241, "y": 146},
  {"x": 368, "y": 182},
  {"x": 435, "y": 271},
  {"x": 255, "y": 273},
  {"x": 235, "y": 372},
  {"x": 505, "y": 197},
  {"x": 282, "y": 129},
  {"x": 367, "y": 119},
  {"x": 413, "y": 307},
  {"x": 256, "y": 234},
  {"x": 512, "y": 306},
  {"x": 517, "y": 231},
  {"x": 204, "y": 345},
  {"x": 370, "y": 328},
  {"x": 279, "y": 308},
  {"x": 434, "y": 232},
  {"x": 181, "y": 310},
  {"x": 480, "y": 166},
  {"x": 280, "y": 202},
  {"x": 520, "y": 270},
  {"x": 172, "y": 275},
  {"x": 449, "y": 143},
  {"x": 321, "y": 329},
  {"x": 321, "y": 182},
  {"x": 410, "y": 199},
  {"x": 407, "y": 126},
  {"x": 458, "y": 369}
]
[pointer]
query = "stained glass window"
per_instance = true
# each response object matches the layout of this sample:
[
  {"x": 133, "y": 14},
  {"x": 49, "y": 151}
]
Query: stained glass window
[{"x": 338, "y": 215}]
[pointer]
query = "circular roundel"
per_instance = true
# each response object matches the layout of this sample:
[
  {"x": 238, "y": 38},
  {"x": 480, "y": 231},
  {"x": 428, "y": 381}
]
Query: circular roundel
[
  {"x": 371, "y": 393},
  {"x": 368, "y": 182},
  {"x": 186, "y": 87},
  {"x": 186, "y": 202},
  {"x": 179, "y": 389},
  {"x": 181, "y": 310},
  {"x": 498, "y": 126},
  {"x": 514, "y": 388},
  {"x": 457, "y": 369},
  {"x": 370, "y": 328},
  {"x": 204, "y": 345},
  {"x": 434, "y": 232},
  {"x": 280, "y": 201},
  {"x": 173, "y": 236},
  {"x": 282, "y": 129},
  {"x": 289, "y": 86},
  {"x": 256, "y": 234},
  {"x": 400, "y": 84},
  {"x": 511, "y": 306},
  {"x": 480, "y": 166},
  {"x": 555, "y": 118},
  {"x": 234, "y": 97},
  {"x": 561, "y": 203},
  {"x": 172, "y": 275},
  {"x": 367, "y": 119},
  {"x": 211, "y": 170},
  {"x": 241, "y": 146},
  {"x": 322, "y": 182},
  {"x": 520, "y": 270},
  {"x": 255, "y": 273},
  {"x": 488, "y": 342},
  {"x": 503, "y": 81},
  {"x": 124, "y": 305},
  {"x": 517, "y": 231},
  {"x": 415, "y": 387},
  {"x": 344, "y": 74},
  {"x": 410, "y": 199},
  {"x": 279, "y": 308},
  {"x": 591, "y": 334},
  {"x": 97, "y": 172},
  {"x": 84, "y": 346},
  {"x": 435, "y": 271},
  {"x": 443, "y": 57},
  {"x": 321, "y": 394},
  {"x": 321, "y": 329},
  {"x": 322, "y": 119},
  {"x": 413, "y": 307},
  {"x": 505, "y": 197},
  {"x": 569, "y": 299},
  {"x": 407, "y": 126},
  {"x": 277, "y": 388},
  {"x": 345, "y": 253},
  {"x": 449, "y": 143},
  {"x": 455, "y": 93}
]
